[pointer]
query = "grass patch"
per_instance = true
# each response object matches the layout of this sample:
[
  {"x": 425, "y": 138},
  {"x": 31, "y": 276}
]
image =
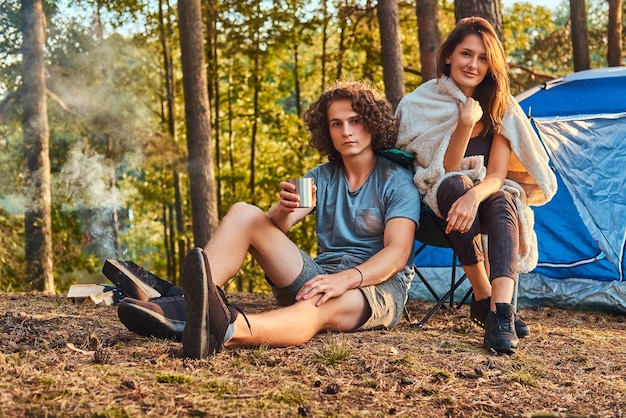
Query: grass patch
[
  {"x": 441, "y": 375},
  {"x": 173, "y": 378},
  {"x": 525, "y": 377},
  {"x": 220, "y": 386},
  {"x": 290, "y": 395},
  {"x": 335, "y": 350}
]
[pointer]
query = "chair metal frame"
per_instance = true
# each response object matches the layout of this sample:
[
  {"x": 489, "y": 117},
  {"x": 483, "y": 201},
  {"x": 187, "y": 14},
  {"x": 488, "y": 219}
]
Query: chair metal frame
[
  {"x": 428, "y": 233},
  {"x": 431, "y": 232}
]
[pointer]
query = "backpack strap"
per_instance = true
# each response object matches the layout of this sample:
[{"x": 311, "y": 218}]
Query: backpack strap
[{"x": 400, "y": 157}]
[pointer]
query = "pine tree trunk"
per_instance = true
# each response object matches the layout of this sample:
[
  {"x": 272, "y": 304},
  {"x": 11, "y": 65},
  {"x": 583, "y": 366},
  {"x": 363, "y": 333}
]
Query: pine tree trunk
[
  {"x": 393, "y": 71},
  {"x": 214, "y": 93},
  {"x": 429, "y": 36},
  {"x": 256, "y": 85},
  {"x": 38, "y": 213},
  {"x": 614, "y": 50},
  {"x": 488, "y": 9},
  {"x": 341, "y": 52},
  {"x": 198, "y": 122},
  {"x": 580, "y": 35},
  {"x": 324, "y": 45}
]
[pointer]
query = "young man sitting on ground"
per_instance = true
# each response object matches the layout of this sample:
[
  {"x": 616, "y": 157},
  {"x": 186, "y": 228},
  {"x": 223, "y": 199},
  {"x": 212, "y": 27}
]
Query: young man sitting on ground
[{"x": 366, "y": 215}]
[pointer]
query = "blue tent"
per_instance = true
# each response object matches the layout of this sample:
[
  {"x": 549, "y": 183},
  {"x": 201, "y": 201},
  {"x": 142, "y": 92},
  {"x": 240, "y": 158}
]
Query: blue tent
[{"x": 581, "y": 121}]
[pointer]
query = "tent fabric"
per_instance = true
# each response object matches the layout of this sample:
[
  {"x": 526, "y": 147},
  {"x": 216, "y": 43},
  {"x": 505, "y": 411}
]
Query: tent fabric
[
  {"x": 581, "y": 232},
  {"x": 590, "y": 154},
  {"x": 582, "y": 93}
]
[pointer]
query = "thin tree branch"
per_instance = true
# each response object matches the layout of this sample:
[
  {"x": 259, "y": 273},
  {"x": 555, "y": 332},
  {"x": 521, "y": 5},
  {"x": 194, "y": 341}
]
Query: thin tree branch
[{"x": 533, "y": 74}]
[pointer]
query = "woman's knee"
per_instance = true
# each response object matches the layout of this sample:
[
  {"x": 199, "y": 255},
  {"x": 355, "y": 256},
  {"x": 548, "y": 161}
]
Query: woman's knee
[{"x": 451, "y": 189}]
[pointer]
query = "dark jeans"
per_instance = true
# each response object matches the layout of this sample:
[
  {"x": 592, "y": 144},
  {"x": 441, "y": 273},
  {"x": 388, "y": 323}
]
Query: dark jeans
[{"x": 496, "y": 217}]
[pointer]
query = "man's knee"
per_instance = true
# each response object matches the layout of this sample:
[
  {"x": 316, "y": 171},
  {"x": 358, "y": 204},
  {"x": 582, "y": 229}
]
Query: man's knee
[{"x": 244, "y": 212}]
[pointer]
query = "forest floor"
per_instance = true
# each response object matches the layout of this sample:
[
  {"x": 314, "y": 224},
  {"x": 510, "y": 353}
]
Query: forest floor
[{"x": 62, "y": 358}]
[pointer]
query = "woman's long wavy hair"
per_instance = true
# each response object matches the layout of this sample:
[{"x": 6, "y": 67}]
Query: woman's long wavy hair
[
  {"x": 493, "y": 92},
  {"x": 373, "y": 108}
]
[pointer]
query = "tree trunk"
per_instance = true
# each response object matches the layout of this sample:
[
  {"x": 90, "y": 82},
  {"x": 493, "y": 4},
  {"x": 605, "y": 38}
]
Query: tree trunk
[
  {"x": 231, "y": 130},
  {"x": 296, "y": 80},
  {"x": 341, "y": 52},
  {"x": 614, "y": 50},
  {"x": 488, "y": 9},
  {"x": 171, "y": 243},
  {"x": 255, "y": 121},
  {"x": 180, "y": 225},
  {"x": 198, "y": 121},
  {"x": 393, "y": 72},
  {"x": 214, "y": 92},
  {"x": 175, "y": 255},
  {"x": 429, "y": 36},
  {"x": 580, "y": 35},
  {"x": 168, "y": 74},
  {"x": 38, "y": 213},
  {"x": 256, "y": 85},
  {"x": 166, "y": 239},
  {"x": 324, "y": 44}
]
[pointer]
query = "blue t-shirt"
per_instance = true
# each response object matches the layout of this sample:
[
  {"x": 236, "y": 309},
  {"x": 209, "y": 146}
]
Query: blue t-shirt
[{"x": 353, "y": 222}]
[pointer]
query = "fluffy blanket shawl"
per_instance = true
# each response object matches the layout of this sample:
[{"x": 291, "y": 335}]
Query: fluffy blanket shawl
[{"x": 428, "y": 116}]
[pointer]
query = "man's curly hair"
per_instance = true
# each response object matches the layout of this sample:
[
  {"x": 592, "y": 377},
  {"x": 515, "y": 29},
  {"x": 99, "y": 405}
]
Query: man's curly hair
[{"x": 373, "y": 108}]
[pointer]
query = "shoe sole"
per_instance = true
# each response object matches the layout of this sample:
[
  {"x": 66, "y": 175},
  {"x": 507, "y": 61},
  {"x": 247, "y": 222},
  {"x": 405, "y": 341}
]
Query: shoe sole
[
  {"x": 125, "y": 280},
  {"x": 164, "y": 287},
  {"x": 195, "y": 334},
  {"x": 508, "y": 349},
  {"x": 147, "y": 323}
]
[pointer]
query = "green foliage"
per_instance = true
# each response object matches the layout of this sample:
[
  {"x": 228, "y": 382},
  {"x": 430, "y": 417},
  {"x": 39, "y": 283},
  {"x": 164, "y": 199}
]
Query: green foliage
[
  {"x": 113, "y": 155},
  {"x": 539, "y": 46},
  {"x": 11, "y": 251},
  {"x": 69, "y": 241}
]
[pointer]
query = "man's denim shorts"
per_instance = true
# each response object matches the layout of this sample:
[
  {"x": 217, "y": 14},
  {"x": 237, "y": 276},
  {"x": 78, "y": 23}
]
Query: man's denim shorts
[{"x": 386, "y": 299}]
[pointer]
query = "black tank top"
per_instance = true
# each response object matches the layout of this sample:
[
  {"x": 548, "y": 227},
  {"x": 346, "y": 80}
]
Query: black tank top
[{"x": 480, "y": 145}]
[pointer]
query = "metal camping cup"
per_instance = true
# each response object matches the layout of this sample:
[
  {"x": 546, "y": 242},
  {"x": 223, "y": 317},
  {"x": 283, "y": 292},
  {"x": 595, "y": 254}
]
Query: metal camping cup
[{"x": 304, "y": 189}]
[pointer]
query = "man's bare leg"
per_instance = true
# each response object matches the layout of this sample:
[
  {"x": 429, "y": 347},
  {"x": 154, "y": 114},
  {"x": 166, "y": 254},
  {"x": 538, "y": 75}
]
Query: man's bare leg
[
  {"x": 301, "y": 321},
  {"x": 246, "y": 228}
]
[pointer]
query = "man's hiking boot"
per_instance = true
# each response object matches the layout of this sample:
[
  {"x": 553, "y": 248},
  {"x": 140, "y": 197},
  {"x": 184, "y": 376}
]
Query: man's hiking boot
[
  {"x": 136, "y": 282},
  {"x": 500, "y": 331},
  {"x": 208, "y": 312},
  {"x": 162, "y": 317},
  {"x": 479, "y": 310}
]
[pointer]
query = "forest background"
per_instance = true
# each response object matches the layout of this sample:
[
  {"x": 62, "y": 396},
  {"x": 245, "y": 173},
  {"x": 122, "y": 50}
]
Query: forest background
[{"x": 118, "y": 140}]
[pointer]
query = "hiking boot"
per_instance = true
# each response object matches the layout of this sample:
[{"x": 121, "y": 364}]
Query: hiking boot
[
  {"x": 162, "y": 317},
  {"x": 479, "y": 310},
  {"x": 208, "y": 312},
  {"x": 136, "y": 282},
  {"x": 500, "y": 331}
]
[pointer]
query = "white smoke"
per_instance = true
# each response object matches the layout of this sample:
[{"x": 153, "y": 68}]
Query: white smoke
[
  {"x": 87, "y": 179},
  {"x": 87, "y": 184}
]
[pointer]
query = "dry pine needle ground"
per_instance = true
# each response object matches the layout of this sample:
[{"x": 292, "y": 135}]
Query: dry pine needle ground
[{"x": 60, "y": 358}]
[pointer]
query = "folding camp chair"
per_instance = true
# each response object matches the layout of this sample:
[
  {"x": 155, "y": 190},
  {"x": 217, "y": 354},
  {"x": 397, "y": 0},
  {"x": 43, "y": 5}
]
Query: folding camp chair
[{"x": 431, "y": 232}]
